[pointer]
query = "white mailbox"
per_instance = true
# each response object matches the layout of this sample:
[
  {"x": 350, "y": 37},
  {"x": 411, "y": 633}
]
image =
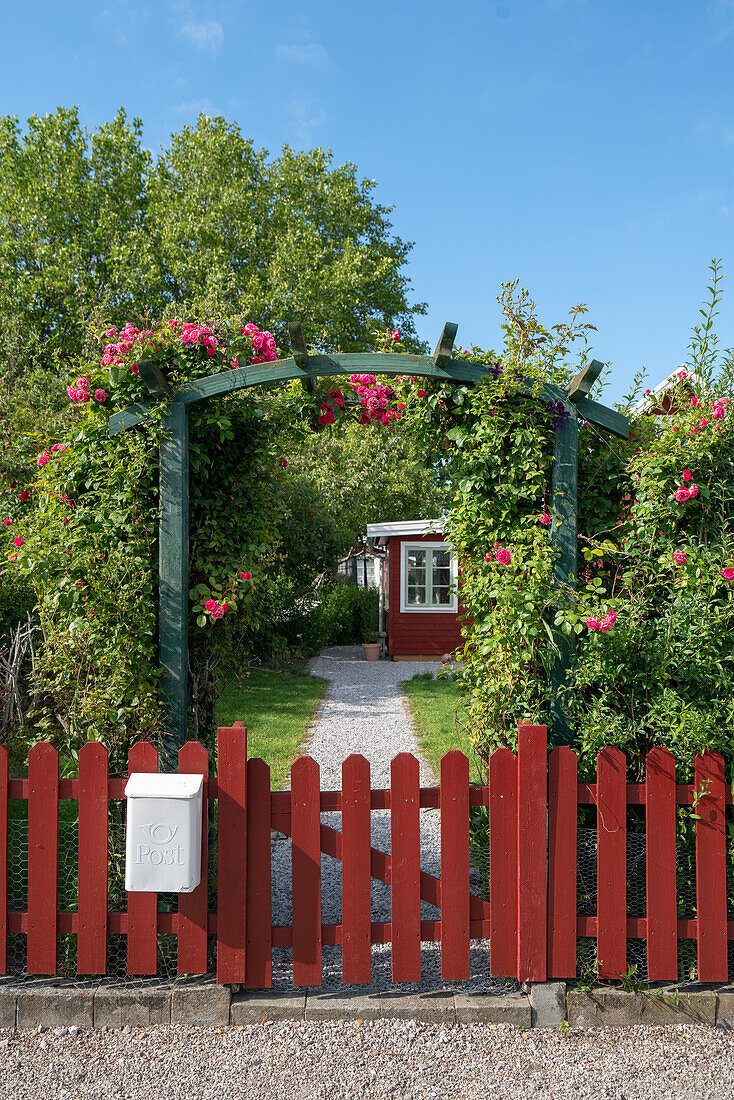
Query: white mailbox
[{"x": 163, "y": 839}]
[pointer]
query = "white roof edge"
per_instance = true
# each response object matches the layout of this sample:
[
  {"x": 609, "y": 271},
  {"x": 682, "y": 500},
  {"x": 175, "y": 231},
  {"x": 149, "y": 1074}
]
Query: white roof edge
[
  {"x": 407, "y": 527},
  {"x": 644, "y": 402}
]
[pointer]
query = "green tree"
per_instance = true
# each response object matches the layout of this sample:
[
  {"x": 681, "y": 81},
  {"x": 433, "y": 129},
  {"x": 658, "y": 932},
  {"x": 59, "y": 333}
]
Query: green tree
[
  {"x": 93, "y": 228},
  {"x": 361, "y": 474}
]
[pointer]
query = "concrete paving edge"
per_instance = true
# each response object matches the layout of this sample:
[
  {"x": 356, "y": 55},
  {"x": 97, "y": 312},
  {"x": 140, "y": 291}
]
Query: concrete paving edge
[{"x": 542, "y": 1004}]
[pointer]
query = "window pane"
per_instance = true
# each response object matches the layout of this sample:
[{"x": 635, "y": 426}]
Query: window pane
[
  {"x": 441, "y": 595},
  {"x": 416, "y": 558},
  {"x": 416, "y": 594},
  {"x": 441, "y": 559},
  {"x": 442, "y": 577}
]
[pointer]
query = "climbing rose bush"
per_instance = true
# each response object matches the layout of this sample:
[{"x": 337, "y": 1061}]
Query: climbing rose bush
[
  {"x": 85, "y": 534},
  {"x": 651, "y": 619}
]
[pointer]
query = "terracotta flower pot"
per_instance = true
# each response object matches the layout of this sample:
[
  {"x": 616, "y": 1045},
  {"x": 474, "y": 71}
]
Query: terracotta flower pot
[{"x": 371, "y": 651}]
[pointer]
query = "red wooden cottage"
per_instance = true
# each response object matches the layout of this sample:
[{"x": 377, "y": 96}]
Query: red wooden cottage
[{"x": 419, "y": 607}]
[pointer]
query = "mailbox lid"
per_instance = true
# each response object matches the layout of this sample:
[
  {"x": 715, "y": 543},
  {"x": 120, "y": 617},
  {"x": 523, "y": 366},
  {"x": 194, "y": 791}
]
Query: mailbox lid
[{"x": 163, "y": 785}]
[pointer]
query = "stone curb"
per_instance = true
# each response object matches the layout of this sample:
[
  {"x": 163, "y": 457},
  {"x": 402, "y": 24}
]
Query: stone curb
[{"x": 545, "y": 1004}]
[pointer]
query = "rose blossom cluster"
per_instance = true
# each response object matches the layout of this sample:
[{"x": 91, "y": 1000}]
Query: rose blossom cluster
[
  {"x": 263, "y": 344},
  {"x": 114, "y": 354},
  {"x": 44, "y": 457},
  {"x": 605, "y": 623},
  {"x": 686, "y": 492},
  {"x": 79, "y": 392},
  {"x": 192, "y": 334},
  {"x": 332, "y": 399},
  {"x": 501, "y": 555},
  {"x": 216, "y": 609},
  {"x": 376, "y": 399}
]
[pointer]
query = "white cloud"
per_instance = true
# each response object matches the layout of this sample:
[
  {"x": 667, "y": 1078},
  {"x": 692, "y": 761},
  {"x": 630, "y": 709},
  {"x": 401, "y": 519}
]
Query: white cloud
[
  {"x": 207, "y": 36},
  {"x": 194, "y": 107},
  {"x": 308, "y": 116},
  {"x": 308, "y": 53}
]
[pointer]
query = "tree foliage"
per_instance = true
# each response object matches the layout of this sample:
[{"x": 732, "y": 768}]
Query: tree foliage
[{"x": 93, "y": 228}]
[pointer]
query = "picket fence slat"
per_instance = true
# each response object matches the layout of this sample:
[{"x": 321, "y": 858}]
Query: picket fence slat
[
  {"x": 611, "y": 862},
  {"x": 711, "y": 869},
  {"x": 660, "y": 871},
  {"x": 232, "y": 854},
  {"x": 405, "y": 848},
  {"x": 43, "y": 858},
  {"x": 259, "y": 968},
  {"x": 306, "y": 871},
  {"x": 193, "y": 908},
  {"x": 142, "y": 907},
  {"x": 4, "y": 867},
  {"x": 532, "y": 824},
  {"x": 503, "y": 863},
  {"x": 91, "y": 944},
  {"x": 454, "y": 866},
  {"x": 562, "y": 871},
  {"x": 356, "y": 871}
]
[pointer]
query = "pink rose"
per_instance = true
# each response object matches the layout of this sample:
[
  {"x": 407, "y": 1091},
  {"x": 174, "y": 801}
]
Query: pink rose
[
  {"x": 244, "y": 576},
  {"x": 43, "y": 458},
  {"x": 420, "y": 393},
  {"x": 210, "y": 605},
  {"x": 693, "y": 490},
  {"x": 718, "y": 412},
  {"x": 18, "y": 541},
  {"x": 250, "y": 329},
  {"x": 100, "y": 395},
  {"x": 396, "y": 335},
  {"x": 687, "y": 475},
  {"x": 679, "y": 557},
  {"x": 503, "y": 556},
  {"x": 682, "y": 373},
  {"x": 546, "y": 519},
  {"x": 218, "y": 611},
  {"x": 593, "y": 624},
  {"x": 682, "y": 496},
  {"x": 24, "y": 495},
  {"x": 728, "y": 574},
  {"x": 703, "y": 422},
  {"x": 83, "y": 383},
  {"x": 487, "y": 557},
  {"x": 134, "y": 369},
  {"x": 694, "y": 401},
  {"x": 7, "y": 522}
]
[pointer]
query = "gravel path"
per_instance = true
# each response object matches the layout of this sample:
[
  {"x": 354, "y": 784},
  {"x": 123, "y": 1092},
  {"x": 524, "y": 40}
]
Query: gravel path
[
  {"x": 373, "y": 1059},
  {"x": 365, "y": 712}
]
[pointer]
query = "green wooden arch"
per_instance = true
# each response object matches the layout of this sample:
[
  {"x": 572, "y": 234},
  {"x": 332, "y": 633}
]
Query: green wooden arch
[{"x": 173, "y": 530}]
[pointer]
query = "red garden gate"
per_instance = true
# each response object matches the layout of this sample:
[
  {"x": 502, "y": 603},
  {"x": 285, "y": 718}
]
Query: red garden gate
[{"x": 530, "y": 917}]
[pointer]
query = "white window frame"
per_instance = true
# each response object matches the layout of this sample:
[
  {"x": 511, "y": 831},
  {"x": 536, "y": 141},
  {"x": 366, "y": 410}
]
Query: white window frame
[{"x": 426, "y": 609}]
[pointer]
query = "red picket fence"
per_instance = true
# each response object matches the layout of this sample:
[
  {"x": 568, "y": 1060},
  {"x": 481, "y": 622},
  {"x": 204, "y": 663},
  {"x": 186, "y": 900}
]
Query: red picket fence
[{"x": 530, "y": 917}]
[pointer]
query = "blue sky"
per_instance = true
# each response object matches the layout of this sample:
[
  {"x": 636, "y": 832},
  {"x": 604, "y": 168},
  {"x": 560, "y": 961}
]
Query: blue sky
[{"x": 584, "y": 147}]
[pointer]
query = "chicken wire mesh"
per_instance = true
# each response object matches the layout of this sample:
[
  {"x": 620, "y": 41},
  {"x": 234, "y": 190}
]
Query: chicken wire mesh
[{"x": 331, "y": 873}]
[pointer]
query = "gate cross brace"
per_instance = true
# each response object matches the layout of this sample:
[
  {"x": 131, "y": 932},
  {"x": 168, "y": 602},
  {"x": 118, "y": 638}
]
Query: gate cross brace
[{"x": 173, "y": 529}]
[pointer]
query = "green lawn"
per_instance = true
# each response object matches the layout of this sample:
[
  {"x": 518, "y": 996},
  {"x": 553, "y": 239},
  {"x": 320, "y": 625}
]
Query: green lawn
[
  {"x": 438, "y": 708},
  {"x": 277, "y": 708}
]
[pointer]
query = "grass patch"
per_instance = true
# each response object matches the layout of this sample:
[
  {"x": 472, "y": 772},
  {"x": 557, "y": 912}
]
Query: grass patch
[
  {"x": 439, "y": 711},
  {"x": 277, "y": 708}
]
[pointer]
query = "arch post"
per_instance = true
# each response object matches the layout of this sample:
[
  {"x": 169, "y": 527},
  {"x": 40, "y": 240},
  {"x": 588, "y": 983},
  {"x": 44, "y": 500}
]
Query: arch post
[{"x": 173, "y": 566}]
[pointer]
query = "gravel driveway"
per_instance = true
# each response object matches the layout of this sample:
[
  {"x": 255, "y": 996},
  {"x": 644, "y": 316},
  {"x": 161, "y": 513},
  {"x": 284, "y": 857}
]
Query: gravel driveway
[
  {"x": 374, "y": 1059},
  {"x": 365, "y": 711}
]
